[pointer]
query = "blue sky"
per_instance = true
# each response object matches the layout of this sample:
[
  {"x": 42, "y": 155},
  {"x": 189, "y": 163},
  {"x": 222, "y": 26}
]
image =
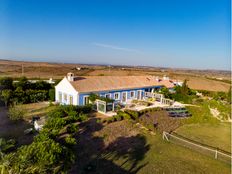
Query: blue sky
[{"x": 167, "y": 33}]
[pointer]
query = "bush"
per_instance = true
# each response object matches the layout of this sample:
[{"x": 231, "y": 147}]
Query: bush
[
  {"x": 70, "y": 140},
  {"x": 117, "y": 117},
  {"x": 55, "y": 123},
  {"x": 84, "y": 109},
  {"x": 123, "y": 115},
  {"x": 72, "y": 128},
  {"x": 51, "y": 94},
  {"x": 16, "y": 113},
  {"x": 82, "y": 117},
  {"x": 133, "y": 114}
]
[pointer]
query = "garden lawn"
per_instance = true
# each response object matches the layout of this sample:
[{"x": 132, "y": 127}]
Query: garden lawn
[
  {"x": 36, "y": 109},
  {"x": 216, "y": 135}
]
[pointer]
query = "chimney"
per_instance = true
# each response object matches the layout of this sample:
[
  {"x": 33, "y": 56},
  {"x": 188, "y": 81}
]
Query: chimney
[
  {"x": 70, "y": 77},
  {"x": 157, "y": 78}
]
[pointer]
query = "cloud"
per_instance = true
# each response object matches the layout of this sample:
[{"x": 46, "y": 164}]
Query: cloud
[{"x": 115, "y": 47}]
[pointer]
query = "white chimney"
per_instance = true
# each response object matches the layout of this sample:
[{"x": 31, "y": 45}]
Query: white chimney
[
  {"x": 70, "y": 76},
  {"x": 157, "y": 78}
]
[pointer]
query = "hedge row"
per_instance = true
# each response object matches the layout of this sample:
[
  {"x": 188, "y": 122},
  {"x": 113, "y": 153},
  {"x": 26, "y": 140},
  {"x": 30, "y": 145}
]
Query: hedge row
[{"x": 129, "y": 115}]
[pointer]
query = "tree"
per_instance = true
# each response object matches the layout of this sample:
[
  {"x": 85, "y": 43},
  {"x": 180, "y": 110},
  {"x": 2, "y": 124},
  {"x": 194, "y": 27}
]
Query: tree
[
  {"x": 184, "y": 88},
  {"x": 23, "y": 83},
  {"x": 6, "y": 83},
  {"x": 16, "y": 113},
  {"x": 6, "y": 95}
]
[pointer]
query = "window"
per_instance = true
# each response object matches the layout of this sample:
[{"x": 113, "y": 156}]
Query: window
[
  {"x": 132, "y": 94},
  {"x": 86, "y": 100},
  {"x": 71, "y": 100},
  {"x": 116, "y": 96},
  {"x": 60, "y": 97},
  {"x": 107, "y": 95},
  {"x": 65, "y": 97}
]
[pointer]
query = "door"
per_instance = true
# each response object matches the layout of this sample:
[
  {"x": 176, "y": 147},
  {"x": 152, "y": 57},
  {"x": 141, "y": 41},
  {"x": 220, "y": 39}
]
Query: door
[
  {"x": 139, "y": 95},
  {"x": 124, "y": 97},
  {"x": 86, "y": 100}
]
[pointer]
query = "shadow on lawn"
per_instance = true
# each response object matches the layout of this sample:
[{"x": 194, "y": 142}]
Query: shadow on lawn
[{"x": 93, "y": 156}]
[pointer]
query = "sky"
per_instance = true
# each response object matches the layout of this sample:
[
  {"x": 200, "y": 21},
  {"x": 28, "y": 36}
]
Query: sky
[{"x": 162, "y": 33}]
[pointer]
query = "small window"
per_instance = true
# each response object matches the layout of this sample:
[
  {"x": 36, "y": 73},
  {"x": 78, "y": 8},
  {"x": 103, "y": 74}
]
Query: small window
[
  {"x": 107, "y": 95},
  {"x": 71, "y": 100},
  {"x": 132, "y": 94},
  {"x": 116, "y": 96},
  {"x": 65, "y": 97},
  {"x": 60, "y": 97}
]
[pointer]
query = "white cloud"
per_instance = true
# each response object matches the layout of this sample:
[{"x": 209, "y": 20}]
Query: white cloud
[{"x": 115, "y": 47}]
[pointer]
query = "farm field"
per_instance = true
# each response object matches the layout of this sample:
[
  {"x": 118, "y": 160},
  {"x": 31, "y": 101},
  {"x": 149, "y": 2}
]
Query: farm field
[
  {"x": 217, "y": 135},
  {"x": 124, "y": 148},
  {"x": 41, "y": 70}
]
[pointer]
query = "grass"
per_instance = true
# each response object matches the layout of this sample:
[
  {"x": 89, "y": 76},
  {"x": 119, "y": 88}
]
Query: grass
[
  {"x": 36, "y": 109},
  {"x": 121, "y": 147},
  {"x": 204, "y": 128},
  {"x": 200, "y": 114},
  {"x": 214, "y": 135}
]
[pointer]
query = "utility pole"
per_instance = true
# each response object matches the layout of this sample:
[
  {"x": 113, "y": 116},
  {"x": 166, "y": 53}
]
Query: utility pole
[{"x": 22, "y": 70}]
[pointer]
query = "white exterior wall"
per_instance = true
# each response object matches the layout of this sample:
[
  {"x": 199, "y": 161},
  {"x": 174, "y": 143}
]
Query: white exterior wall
[{"x": 66, "y": 88}]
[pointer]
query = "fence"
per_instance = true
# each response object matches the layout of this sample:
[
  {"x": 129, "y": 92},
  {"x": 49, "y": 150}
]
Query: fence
[{"x": 204, "y": 149}]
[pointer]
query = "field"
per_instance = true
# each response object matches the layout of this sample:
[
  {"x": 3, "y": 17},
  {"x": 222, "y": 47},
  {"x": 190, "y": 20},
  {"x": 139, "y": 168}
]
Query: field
[
  {"x": 217, "y": 135},
  {"x": 121, "y": 147},
  {"x": 197, "y": 79}
]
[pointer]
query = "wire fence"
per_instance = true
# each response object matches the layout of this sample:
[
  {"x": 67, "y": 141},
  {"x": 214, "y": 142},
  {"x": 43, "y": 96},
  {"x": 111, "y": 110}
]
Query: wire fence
[{"x": 204, "y": 149}]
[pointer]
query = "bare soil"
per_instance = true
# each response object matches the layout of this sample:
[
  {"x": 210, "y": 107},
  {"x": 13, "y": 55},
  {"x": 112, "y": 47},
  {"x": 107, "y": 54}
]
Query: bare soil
[{"x": 197, "y": 79}]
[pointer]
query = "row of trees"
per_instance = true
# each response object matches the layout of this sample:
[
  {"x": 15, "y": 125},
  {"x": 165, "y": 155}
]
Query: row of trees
[
  {"x": 52, "y": 150},
  {"x": 24, "y": 91}
]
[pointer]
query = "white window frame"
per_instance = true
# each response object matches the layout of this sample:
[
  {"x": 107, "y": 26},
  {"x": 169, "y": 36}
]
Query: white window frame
[
  {"x": 122, "y": 96},
  {"x": 64, "y": 94},
  {"x": 71, "y": 101},
  {"x": 118, "y": 95},
  {"x": 108, "y": 94},
  {"x": 130, "y": 94},
  {"x": 84, "y": 98},
  {"x": 139, "y": 98},
  {"x": 60, "y": 96}
]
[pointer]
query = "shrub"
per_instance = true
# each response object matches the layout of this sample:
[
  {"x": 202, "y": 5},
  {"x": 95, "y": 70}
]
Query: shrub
[
  {"x": 82, "y": 117},
  {"x": 84, "y": 109},
  {"x": 72, "y": 128},
  {"x": 133, "y": 114},
  {"x": 55, "y": 123},
  {"x": 51, "y": 94},
  {"x": 124, "y": 115},
  {"x": 16, "y": 113},
  {"x": 110, "y": 120},
  {"x": 117, "y": 118},
  {"x": 70, "y": 140}
]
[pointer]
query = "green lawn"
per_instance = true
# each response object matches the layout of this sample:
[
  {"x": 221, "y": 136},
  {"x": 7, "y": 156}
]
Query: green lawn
[{"x": 217, "y": 135}]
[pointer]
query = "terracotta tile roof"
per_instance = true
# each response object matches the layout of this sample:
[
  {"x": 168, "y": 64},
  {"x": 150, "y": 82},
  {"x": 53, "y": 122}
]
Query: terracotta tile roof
[{"x": 108, "y": 83}]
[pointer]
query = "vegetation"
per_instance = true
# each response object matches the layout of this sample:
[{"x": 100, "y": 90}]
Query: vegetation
[
  {"x": 48, "y": 153},
  {"x": 6, "y": 95},
  {"x": 93, "y": 97},
  {"x": 217, "y": 135},
  {"x": 24, "y": 91},
  {"x": 16, "y": 113}
]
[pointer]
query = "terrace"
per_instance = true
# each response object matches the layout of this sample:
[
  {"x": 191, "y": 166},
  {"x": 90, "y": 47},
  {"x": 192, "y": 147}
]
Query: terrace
[{"x": 150, "y": 100}]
